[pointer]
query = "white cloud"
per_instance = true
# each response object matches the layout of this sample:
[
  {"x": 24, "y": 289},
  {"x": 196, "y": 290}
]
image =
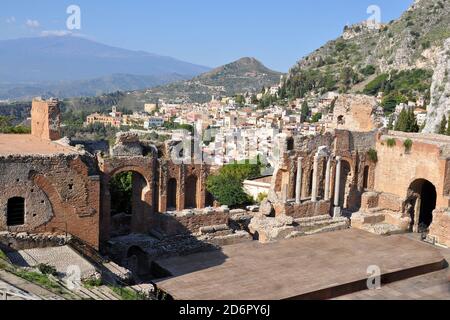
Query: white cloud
[
  {"x": 11, "y": 20},
  {"x": 56, "y": 33},
  {"x": 33, "y": 24}
]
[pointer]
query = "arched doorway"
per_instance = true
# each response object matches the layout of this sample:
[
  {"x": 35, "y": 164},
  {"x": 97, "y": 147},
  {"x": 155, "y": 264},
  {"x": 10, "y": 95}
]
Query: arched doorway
[
  {"x": 172, "y": 195},
  {"x": 190, "y": 194},
  {"x": 127, "y": 202},
  {"x": 420, "y": 204}
]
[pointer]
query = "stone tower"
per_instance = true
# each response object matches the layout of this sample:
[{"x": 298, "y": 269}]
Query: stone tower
[{"x": 46, "y": 119}]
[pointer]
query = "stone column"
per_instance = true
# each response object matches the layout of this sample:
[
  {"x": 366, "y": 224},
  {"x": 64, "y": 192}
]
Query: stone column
[
  {"x": 337, "y": 187},
  {"x": 314, "y": 179},
  {"x": 328, "y": 179},
  {"x": 298, "y": 182}
]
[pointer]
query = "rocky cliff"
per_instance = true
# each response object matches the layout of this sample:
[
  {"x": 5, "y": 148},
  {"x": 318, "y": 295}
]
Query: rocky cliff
[{"x": 440, "y": 91}]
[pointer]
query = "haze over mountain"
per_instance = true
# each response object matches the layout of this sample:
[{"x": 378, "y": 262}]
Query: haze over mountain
[{"x": 71, "y": 66}]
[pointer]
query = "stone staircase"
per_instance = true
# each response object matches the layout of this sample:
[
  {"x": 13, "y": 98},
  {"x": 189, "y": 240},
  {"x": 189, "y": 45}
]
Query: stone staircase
[
  {"x": 97, "y": 293},
  {"x": 222, "y": 235},
  {"x": 319, "y": 224},
  {"x": 380, "y": 221}
]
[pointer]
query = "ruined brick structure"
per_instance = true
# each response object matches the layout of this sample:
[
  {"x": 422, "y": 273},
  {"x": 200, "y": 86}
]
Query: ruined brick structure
[
  {"x": 45, "y": 119},
  {"x": 384, "y": 181},
  {"x": 304, "y": 183},
  {"x": 48, "y": 187}
]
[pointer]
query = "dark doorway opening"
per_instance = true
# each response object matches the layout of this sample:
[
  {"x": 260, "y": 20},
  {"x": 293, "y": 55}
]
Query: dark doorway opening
[
  {"x": 422, "y": 197},
  {"x": 191, "y": 193},
  {"x": 172, "y": 195},
  {"x": 127, "y": 204},
  {"x": 15, "y": 212},
  {"x": 366, "y": 178}
]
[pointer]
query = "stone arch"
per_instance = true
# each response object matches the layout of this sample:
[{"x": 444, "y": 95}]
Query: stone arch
[
  {"x": 420, "y": 204},
  {"x": 142, "y": 171},
  {"x": 134, "y": 219},
  {"x": 190, "y": 194},
  {"x": 172, "y": 194}
]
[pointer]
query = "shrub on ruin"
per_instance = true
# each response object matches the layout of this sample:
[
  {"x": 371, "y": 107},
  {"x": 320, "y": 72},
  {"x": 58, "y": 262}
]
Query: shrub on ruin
[
  {"x": 373, "y": 155},
  {"x": 47, "y": 269},
  {"x": 261, "y": 197},
  {"x": 408, "y": 145},
  {"x": 391, "y": 142}
]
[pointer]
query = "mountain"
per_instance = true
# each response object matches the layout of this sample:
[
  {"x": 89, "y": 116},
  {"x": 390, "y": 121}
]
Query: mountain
[
  {"x": 398, "y": 58},
  {"x": 243, "y": 75},
  {"x": 86, "y": 88},
  {"x": 63, "y": 64}
]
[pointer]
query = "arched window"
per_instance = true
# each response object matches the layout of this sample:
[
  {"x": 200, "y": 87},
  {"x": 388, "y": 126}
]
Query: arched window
[{"x": 15, "y": 212}]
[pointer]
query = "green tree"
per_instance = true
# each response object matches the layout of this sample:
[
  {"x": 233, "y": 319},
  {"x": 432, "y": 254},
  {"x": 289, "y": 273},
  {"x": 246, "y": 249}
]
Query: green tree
[
  {"x": 406, "y": 122},
  {"x": 121, "y": 190},
  {"x": 443, "y": 125},
  {"x": 305, "y": 111},
  {"x": 391, "y": 122},
  {"x": 240, "y": 100},
  {"x": 447, "y": 132},
  {"x": 227, "y": 190},
  {"x": 227, "y": 185},
  {"x": 315, "y": 118}
]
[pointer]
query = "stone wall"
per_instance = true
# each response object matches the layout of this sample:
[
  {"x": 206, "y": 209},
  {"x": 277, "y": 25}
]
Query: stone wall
[
  {"x": 305, "y": 210},
  {"x": 356, "y": 113},
  {"x": 397, "y": 168},
  {"x": 440, "y": 228},
  {"x": 61, "y": 195},
  {"x": 190, "y": 222}
]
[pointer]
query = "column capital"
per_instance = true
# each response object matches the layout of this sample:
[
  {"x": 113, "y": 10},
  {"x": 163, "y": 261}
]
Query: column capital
[{"x": 338, "y": 158}]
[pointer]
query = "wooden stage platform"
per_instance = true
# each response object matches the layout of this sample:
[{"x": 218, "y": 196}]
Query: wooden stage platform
[{"x": 321, "y": 266}]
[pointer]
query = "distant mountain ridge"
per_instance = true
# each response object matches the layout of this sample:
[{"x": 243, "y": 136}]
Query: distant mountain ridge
[
  {"x": 241, "y": 76},
  {"x": 61, "y": 64},
  {"x": 238, "y": 77}
]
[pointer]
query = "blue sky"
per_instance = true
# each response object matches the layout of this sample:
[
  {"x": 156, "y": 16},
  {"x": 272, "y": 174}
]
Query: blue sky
[{"x": 207, "y": 32}]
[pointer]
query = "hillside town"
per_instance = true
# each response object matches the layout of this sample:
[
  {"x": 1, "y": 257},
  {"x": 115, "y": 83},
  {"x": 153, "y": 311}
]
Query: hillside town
[{"x": 329, "y": 182}]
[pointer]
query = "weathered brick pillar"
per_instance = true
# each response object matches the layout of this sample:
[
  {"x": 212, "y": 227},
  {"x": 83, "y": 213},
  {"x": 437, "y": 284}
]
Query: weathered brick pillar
[
  {"x": 202, "y": 188},
  {"x": 298, "y": 184},
  {"x": 105, "y": 215},
  {"x": 181, "y": 188}
]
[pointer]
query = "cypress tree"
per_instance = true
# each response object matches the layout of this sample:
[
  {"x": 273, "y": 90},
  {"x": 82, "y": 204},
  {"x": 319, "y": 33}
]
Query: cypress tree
[
  {"x": 448, "y": 127},
  {"x": 443, "y": 126}
]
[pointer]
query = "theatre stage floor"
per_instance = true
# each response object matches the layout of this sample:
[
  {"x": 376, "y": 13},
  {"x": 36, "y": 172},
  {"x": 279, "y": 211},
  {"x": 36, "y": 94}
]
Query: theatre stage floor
[{"x": 321, "y": 266}]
